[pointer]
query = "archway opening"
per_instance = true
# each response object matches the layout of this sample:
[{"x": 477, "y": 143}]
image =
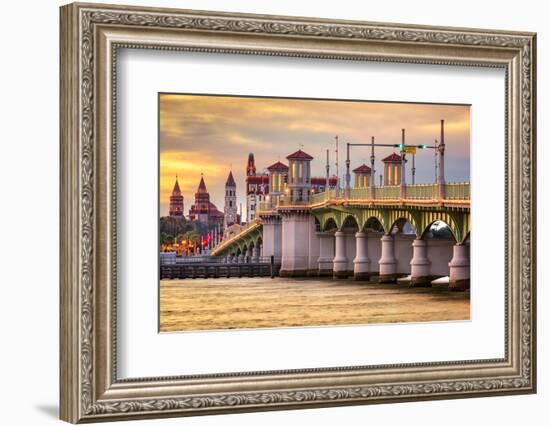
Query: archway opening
[
  {"x": 374, "y": 225},
  {"x": 438, "y": 230},
  {"x": 330, "y": 225},
  {"x": 350, "y": 224},
  {"x": 403, "y": 226}
]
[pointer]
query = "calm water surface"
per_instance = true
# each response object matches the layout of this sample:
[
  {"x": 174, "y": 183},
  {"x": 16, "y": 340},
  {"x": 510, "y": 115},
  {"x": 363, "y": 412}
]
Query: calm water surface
[{"x": 203, "y": 304}]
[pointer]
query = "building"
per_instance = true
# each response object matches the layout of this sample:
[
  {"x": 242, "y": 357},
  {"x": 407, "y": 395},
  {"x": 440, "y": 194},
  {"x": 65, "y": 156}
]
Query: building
[
  {"x": 275, "y": 184},
  {"x": 362, "y": 176},
  {"x": 278, "y": 181},
  {"x": 176, "y": 200},
  {"x": 230, "y": 215},
  {"x": 392, "y": 169},
  {"x": 203, "y": 210},
  {"x": 257, "y": 188},
  {"x": 299, "y": 183}
]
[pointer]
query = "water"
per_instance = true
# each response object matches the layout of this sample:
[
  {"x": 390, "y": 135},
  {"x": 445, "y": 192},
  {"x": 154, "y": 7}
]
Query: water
[{"x": 213, "y": 304}]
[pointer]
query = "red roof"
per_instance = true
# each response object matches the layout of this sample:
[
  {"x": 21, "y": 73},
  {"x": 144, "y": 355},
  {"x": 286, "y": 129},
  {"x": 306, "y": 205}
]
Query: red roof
[
  {"x": 176, "y": 189},
  {"x": 213, "y": 210},
  {"x": 392, "y": 158},
  {"x": 299, "y": 155},
  {"x": 230, "y": 180},
  {"x": 258, "y": 179},
  {"x": 202, "y": 186},
  {"x": 278, "y": 167},
  {"x": 363, "y": 169}
]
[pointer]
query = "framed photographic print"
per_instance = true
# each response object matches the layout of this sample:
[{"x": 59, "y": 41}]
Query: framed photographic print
[{"x": 264, "y": 212}]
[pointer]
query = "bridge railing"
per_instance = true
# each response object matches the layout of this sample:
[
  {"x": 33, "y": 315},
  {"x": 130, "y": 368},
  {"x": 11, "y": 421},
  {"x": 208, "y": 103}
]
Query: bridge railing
[
  {"x": 457, "y": 191},
  {"x": 197, "y": 260},
  {"x": 421, "y": 191},
  {"x": 387, "y": 192},
  {"x": 453, "y": 191}
]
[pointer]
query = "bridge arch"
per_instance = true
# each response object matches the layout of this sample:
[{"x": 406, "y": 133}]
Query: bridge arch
[
  {"x": 428, "y": 227},
  {"x": 374, "y": 223},
  {"x": 432, "y": 217},
  {"x": 397, "y": 217},
  {"x": 329, "y": 224},
  {"x": 350, "y": 221}
]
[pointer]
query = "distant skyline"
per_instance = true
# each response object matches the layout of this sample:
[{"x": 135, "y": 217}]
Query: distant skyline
[{"x": 214, "y": 134}]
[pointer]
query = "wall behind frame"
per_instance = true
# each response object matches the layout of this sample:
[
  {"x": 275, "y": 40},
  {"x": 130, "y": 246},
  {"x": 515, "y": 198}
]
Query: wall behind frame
[{"x": 29, "y": 171}]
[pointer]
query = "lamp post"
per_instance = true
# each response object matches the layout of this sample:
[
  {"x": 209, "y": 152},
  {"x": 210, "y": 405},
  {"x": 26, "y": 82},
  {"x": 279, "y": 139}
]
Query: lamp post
[
  {"x": 327, "y": 184},
  {"x": 348, "y": 188},
  {"x": 402, "y": 182},
  {"x": 337, "y": 170},
  {"x": 372, "y": 171},
  {"x": 441, "y": 151}
]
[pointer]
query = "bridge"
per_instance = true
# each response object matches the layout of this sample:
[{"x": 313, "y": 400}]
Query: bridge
[{"x": 381, "y": 233}]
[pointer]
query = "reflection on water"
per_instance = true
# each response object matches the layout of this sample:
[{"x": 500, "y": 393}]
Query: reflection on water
[{"x": 203, "y": 304}]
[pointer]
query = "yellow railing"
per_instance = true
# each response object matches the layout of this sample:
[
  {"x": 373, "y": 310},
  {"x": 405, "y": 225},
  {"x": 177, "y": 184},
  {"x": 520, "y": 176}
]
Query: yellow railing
[
  {"x": 387, "y": 192},
  {"x": 421, "y": 191},
  {"x": 241, "y": 233},
  {"x": 453, "y": 191},
  {"x": 457, "y": 191}
]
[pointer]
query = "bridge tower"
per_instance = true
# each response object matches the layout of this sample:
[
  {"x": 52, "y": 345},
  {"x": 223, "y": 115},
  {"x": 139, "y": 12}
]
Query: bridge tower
[
  {"x": 392, "y": 169},
  {"x": 230, "y": 207},
  {"x": 300, "y": 176},
  {"x": 278, "y": 177},
  {"x": 362, "y": 176}
]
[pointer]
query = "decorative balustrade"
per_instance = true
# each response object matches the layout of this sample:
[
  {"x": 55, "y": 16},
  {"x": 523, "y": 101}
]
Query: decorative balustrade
[
  {"x": 421, "y": 191},
  {"x": 453, "y": 191},
  {"x": 457, "y": 191}
]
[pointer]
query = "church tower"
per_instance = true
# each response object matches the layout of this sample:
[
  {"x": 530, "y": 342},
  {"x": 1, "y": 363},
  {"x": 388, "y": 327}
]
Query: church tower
[
  {"x": 176, "y": 200},
  {"x": 250, "y": 167},
  {"x": 230, "y": 207}
]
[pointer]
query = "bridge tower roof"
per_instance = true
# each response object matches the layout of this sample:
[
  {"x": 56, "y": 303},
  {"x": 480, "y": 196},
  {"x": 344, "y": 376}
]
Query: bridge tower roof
[
  {"x": 392, "y": 158},
  {"x": 299, "y": 155},
  {"x": 363, "y": 169}
]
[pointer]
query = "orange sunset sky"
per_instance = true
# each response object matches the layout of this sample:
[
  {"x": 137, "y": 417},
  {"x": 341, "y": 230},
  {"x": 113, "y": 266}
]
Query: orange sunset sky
[{"x": 214, "y": 134}]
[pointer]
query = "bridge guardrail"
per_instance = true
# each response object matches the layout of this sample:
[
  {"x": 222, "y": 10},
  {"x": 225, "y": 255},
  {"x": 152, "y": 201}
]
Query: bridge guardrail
[
  {"x": 457, "y": 191},
  {"x": 421, "y": 191}
]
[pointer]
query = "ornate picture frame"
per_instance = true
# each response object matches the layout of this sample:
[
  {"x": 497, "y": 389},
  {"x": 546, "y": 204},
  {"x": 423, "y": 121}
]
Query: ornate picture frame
[{"x": 90, "y": 37}]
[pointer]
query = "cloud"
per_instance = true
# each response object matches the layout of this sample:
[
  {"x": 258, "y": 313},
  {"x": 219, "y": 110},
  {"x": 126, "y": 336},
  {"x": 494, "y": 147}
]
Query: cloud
[{"x": 214, "y": 134}]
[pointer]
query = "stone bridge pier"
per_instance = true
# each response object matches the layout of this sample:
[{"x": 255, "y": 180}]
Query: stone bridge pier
[{"x": 367, "y": 244}]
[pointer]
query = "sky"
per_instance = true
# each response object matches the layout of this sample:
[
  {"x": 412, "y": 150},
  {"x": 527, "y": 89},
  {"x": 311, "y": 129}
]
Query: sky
[{"x": 214, "y": 134}]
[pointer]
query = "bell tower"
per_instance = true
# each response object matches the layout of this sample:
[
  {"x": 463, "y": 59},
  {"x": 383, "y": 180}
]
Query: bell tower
[{"x": 230, "y": 207}]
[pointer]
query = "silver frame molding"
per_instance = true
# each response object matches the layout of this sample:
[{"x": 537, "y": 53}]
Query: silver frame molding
[{"x": 90, "y": 37}]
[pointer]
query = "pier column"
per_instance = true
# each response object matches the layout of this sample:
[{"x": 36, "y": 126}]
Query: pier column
[
  {"x": 340, "y": 262},
  {"x": 459, "y": 274},
  {"x": 241, "y": 258},
  {"x": 361, "y": 262},
  {"x": 420, "y": 264},
  {"x": 388, "y": 262},
  {"x": 248, "y": 255},
  {"x": 295, "y": 251},
  {"x": 256, "y": 254},
  {"x": 326, "y": 253}
]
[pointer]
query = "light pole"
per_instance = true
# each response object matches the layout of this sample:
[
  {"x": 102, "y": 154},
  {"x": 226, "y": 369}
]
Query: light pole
[
  {"x": 403, "y": 148},
  {"x": 327, "y": 184},
  {"x": 337, "y": 170},
  {"x": 372, "y": 171},
  {"x": 441, "y": 150},
  {"x": 348, "y": 188},
  {"x": 402, "y": 180}
]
